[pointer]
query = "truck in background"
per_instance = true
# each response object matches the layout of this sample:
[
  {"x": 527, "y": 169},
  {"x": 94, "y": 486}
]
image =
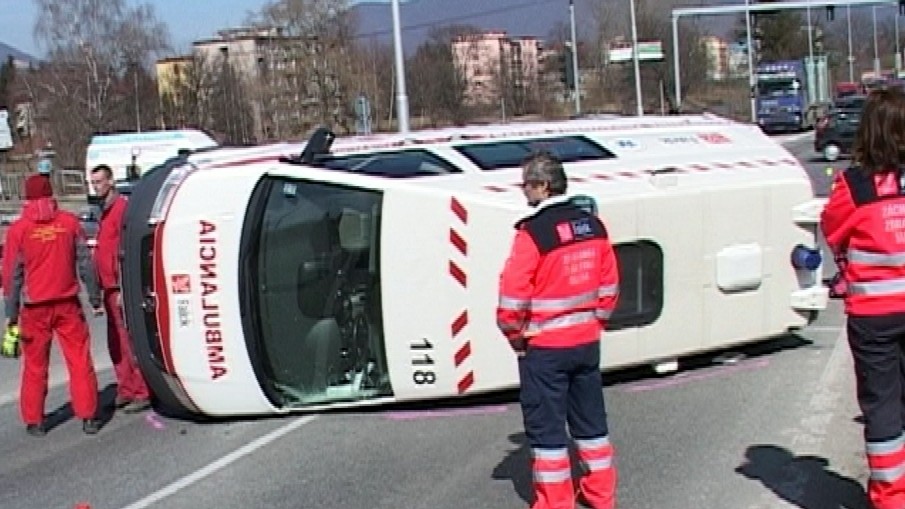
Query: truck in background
[
  {"x": 132, "y": 154},
  {"x": 791, "y": 95}
]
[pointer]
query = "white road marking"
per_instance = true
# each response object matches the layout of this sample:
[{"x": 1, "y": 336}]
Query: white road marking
[
  {"x": 198, "y": 475},
  {"x": 808, "y": 436}
]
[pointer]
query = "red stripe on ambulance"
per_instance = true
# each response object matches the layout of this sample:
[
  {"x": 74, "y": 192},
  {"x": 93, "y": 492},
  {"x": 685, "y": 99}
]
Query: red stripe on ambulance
[{"x": 460, "y": 322}]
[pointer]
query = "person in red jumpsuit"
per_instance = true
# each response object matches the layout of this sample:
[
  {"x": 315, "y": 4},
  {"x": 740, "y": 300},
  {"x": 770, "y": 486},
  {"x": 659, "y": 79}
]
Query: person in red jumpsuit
[
  {"x": 557, "y": 290},
  {"x": 132, "y": 394},
  {"x": 864, "y": 225},
  {"x": 45, "y": 249}
]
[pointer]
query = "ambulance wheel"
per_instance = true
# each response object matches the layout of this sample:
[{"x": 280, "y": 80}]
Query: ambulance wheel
[{"x": 831, "y": 152}]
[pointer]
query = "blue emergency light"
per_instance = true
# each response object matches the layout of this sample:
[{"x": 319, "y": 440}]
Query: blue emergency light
[{"x": 805, "y": 258}]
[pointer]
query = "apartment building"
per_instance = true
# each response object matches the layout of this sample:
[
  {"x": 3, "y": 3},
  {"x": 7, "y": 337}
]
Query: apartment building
[
  {"x": 717, "y": 55},
  {"x": 495, "y": 64},
  {"x": 282, "y": 78}
]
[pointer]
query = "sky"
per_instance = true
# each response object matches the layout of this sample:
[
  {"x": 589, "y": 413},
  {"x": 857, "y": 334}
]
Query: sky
[{"x": 188, "y": 20}]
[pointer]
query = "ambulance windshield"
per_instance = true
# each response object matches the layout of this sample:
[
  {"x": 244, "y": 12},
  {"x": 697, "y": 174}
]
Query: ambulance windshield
[{"x": 311, "y": 295}]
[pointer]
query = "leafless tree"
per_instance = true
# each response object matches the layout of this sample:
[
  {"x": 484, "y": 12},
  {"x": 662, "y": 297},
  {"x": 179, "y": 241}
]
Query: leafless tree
[
  {"x": 229, "y": 104},
  {"x": 373, "y": 77},
  {"x": 316, "y": 48},
  {"x": 98, "y": 55},
  {"x": 653, "y": 23},
  {"x": 185, "y": 102},
  {"x": 437, "y": 84}
]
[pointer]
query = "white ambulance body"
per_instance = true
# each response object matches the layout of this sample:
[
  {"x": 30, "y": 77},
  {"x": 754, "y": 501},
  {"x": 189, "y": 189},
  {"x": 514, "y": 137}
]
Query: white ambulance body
[
  {"x": 149, "y": 148},
  {"x": 369, "y": 274}
]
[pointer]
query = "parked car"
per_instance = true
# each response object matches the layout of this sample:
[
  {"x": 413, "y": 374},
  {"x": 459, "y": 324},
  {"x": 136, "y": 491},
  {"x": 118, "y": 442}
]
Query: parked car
[
  {"x": 90, "y": 219},
  {"x": 835, "y": 133}
]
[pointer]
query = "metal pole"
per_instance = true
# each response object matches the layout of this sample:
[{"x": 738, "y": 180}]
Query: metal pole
[
  {"x": 851, "y": 57},
  {"x": 137, "y": 104},
  {"x": 752, "y": 79},
  {"x": 810, "y": 36},
  {"x": 675, "y": 56},
  {"x": 898, "y": 50},
  {"x": 876, "y": 51},
  {"x": 575, "y": 73},
  {"x": 402, "y": 101},
  {"x": 635, "y": 59}
]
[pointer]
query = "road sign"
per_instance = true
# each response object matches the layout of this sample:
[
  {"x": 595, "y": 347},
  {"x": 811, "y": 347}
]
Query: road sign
[{"x": 647, "y": 50}]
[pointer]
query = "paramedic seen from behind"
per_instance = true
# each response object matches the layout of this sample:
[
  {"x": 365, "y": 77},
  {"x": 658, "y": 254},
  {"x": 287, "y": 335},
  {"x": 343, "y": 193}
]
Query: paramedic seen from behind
[
  {"x": 557, "y": 290},
  {"x": 864, "y": 225},
  {"x": 45, "y": 249},
  {"x": 132, "y": 393}
]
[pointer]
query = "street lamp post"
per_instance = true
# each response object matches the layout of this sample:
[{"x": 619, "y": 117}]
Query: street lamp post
[
  {"x": 898, "y": 58},
  {"x": 576, "y": 75},
  {"x": 851, "y": 57},
  {"x": 402, "y": 101},
  {"x": 638, "y": 98},
  {"x": 876, "y": 51},
  {"x": 752, "y": 79},
  {"x": 810, "y": 36}
]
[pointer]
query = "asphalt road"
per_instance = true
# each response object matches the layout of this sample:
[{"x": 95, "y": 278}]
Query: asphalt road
[{"x": 775, "y": 426}]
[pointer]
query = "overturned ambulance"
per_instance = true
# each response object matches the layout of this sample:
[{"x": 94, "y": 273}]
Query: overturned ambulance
[{"x": 363, "y": 270}]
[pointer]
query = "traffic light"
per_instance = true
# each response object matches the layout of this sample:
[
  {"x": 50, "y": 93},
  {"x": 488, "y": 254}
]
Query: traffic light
[
  {"x": 831, "y": 12},
  {"x": 566, "y": 73},
  {"x": 902, "y": 7}
]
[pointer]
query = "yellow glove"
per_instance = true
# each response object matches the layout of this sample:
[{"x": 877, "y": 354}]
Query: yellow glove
[{"x": 10, "y": 346}]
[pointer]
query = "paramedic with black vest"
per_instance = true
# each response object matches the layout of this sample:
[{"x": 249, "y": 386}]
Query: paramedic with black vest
[
  {"x": 557, "y": 289},
  {"x": 864, "y": 223}
]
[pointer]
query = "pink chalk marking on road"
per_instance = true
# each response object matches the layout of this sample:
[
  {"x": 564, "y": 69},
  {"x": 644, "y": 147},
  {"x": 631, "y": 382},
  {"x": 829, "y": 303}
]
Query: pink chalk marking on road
[
  {"x": 684, "y": 378},
  {"x": 452, "y": 412},
  {"x": 154, "y": 422}
]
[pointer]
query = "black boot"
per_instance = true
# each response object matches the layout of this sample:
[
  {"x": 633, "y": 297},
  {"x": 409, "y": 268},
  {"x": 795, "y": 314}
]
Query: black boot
[
  {"x": 36, "y": 430},
  {"x": 91, "y": 426}
]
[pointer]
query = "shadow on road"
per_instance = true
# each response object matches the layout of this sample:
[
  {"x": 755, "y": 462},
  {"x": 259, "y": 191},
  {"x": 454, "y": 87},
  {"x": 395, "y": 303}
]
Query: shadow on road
[
  {"x": 516, "y": 467},
  {"x": 803, "y": 481},
  {"x": 64, "y": 413}
]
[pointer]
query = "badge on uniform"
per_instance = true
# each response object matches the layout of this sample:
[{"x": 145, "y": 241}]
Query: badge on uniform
[{"x": 568, "y": 231}]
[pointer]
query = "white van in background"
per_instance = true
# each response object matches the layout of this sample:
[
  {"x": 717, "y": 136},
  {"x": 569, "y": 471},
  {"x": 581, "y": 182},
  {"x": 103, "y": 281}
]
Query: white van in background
[{"x": 145, "y": 150}]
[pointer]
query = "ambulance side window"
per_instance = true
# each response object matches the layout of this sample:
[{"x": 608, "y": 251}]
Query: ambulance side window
[
  {"x": 510, "y": 154},
  {"x": 640, "y": 285}
]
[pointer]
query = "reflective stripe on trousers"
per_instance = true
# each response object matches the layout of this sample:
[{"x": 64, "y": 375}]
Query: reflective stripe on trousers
[
  {"x": 886, "y": 486},
  {"x": 595, "y": 453},
  {"x": 598, "y": 485},
  {"x": 552, "y": 479}
]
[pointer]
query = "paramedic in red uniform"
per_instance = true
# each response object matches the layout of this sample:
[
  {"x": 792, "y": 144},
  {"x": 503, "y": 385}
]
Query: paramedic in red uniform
[
  {"x": 557, "y": 291},
  {"x": 132, "y": 393},
  {"x": 45, "y": 248},
  {"x": 864, "y": 223}
]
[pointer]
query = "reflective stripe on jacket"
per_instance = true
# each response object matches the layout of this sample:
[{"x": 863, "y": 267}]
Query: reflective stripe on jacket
[
  {"x": 864, "y": 222},
  {"x": 560, "y": 283}
]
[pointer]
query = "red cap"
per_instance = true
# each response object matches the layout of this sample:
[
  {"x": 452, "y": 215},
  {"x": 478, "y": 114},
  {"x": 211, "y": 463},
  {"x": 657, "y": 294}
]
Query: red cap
[{"x": 38, "y": 186}]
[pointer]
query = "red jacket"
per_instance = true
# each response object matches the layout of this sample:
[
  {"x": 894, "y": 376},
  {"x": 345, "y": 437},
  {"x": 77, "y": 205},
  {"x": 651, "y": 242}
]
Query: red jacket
[
  {"x": 864, "y": 223},
  {"x": 106, "y": 254},
  {"x": 561, "y": 281},
  {"x": 44, "y": 250}
]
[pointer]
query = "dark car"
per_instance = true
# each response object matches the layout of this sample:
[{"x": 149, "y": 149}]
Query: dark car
[
  {"x": 835, "y": 133},
  {"x": 89, "y": 218},
  {"x": 851, "y": 102}
]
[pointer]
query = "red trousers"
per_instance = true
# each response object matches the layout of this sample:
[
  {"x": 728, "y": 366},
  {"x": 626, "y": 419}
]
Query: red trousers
[
  {"x": 130, "y": 382},
  {"x": 38, "y": 323}
]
